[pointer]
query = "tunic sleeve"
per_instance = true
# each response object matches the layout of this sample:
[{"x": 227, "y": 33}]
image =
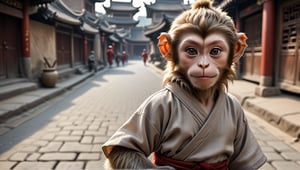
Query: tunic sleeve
[
  {"x": 141, "y": 132},
  {"x": 247, "y": 153}
]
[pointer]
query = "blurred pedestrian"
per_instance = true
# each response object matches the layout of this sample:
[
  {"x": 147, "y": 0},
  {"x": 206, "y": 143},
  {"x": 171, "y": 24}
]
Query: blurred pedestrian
[
  {"x": 144, "y": 55},
  {"x": 124, "y": 57},
  {"x": 118, "y": 58},
  {"x": 91, "y": 61},
  {"x": 110, "y": 55}
]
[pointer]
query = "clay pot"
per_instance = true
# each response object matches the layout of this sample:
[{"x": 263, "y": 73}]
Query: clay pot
[{"x": 49, "y": 77}]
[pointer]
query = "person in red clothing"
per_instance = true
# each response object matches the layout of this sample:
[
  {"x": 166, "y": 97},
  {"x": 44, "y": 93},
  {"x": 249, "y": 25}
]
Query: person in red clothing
[
  {"x": 110, "y": 55},
  {"x": 144, "y": 56},
  {"x": 124, "y": 57}
]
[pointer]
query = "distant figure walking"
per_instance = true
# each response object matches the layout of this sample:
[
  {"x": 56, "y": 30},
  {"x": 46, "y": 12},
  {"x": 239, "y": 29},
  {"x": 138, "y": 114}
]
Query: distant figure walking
[
  {"x": 91, "y": 61},
  {"x": 124, "y": 57},
  {"x": 110, "y": 55},
  {"x": 144, "y": 55},
  {"x": 118, "y": 58}
]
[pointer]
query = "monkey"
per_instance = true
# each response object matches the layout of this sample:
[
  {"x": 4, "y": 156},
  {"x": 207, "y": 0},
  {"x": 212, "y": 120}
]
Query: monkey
[{"x": 192, "y": 122}]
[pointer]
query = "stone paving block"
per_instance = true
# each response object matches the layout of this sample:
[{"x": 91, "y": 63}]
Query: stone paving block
[
  {"x": 64, "y": 132},
  {"x": 29, "y": 148},
  {"x": 7, "y": 165},
  {"x": 40, "y": 143},
  {"x": 81, "y": 127},
  {"x": 286, "y": 165},
  {"x": 293, "y": 156},
  {"x": 51, "y": 147},
  {"x": 265, "y": 137},
  {"x": 267, "y": 149},
  {"x": 267, "y": 166},
  {"x": 53, "y": 129},
  {"x": 33, "y": 157},
  {"x": 94, "y": 127},
  {"x": 49, "y": 136},
  {"x": 75, "y": 147},
  {"x": 100, "y": 139},
  {"x": 94, "y": 165},
  {"x": 58, "y": 156},
  {"x": 94, "y": 132},
  {"x": 67, "y": 138},
  {"x": 35, "y": 166},
  {"x": 280, "y": 146},
  {"x": 87, "y": 139},
  {"x": 77, "y": 132},
  {"x": 19, "y": 156},
  {"x": 70, "y": 166},
  {"x": 88, "y": 156},
  {"x": 273, "y": 156}
]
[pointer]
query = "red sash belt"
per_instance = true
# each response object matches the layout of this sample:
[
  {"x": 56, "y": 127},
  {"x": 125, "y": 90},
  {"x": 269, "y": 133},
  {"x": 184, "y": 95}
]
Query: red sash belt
[{"x": 161, "y": 160}]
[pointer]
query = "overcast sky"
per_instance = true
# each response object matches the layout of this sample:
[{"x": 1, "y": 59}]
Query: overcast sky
[{"x": 136, "y": 3}]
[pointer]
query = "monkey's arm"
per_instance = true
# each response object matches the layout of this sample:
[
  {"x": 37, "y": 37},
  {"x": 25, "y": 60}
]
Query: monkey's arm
[{"x": 121, "y": 157}]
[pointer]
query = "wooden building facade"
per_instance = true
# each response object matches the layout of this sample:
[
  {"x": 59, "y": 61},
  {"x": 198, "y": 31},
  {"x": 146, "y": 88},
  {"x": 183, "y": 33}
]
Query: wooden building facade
[
  {"x": 272, "y": 58},
  {"x": 62, "y": 31}
]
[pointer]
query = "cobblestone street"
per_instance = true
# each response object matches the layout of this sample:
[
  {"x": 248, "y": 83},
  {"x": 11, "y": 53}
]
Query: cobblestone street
[{"x": 68, "y": 131}]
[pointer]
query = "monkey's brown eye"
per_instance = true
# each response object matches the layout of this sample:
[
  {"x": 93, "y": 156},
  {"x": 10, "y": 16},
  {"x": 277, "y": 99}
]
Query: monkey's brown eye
[
  {"x": 215, "y": 51},
  {"x": 191, "y": 51}
]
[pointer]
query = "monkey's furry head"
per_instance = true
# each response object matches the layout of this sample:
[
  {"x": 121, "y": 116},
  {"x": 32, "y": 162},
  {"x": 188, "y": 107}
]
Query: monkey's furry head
[{"x": 203, "y": 18}]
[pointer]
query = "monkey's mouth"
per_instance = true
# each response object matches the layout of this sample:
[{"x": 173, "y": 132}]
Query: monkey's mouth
[{"x": 204, "y": 76}]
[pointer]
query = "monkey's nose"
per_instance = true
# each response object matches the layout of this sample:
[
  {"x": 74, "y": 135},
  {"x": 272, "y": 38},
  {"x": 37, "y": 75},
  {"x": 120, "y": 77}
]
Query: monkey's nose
[{"x": 203, "y": 63}]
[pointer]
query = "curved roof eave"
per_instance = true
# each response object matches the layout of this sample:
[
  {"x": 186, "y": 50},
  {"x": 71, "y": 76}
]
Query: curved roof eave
[
  {"x": 77, "y": 13},
  {"x": 89, "y": 29},
  {"x": 59, "y": 15}
]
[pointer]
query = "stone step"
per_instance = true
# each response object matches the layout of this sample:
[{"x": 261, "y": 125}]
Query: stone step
[{"x": 14, "y": 87}]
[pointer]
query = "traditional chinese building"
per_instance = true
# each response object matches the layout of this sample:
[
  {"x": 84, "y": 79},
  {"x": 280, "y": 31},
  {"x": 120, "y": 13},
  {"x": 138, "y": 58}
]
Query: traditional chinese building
[
  {"x": 15, "y": 37},
  {"x": 61, "y": 32},
  {"x": 72, "y": 31},
  {"x": 272, "y": 59},
  {"x": 162, "y": 13},
  {"x": 121, "y": 15}
]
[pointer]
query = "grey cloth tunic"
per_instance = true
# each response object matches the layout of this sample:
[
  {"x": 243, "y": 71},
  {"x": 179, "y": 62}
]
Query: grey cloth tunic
[{"x": 173, "y": 123}]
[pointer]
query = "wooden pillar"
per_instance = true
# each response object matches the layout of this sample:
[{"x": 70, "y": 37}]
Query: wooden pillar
[
  {"x": 26, "y": 41},
  {"x": 85, "y": 49},
  {"x": 266, "y": 87},
  {"x": 267, "y": 42}
]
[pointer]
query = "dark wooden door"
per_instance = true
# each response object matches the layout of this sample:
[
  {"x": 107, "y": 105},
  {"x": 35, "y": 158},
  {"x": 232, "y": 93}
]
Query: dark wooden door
[
  {"x": 252, "y": 60},
  {"x": 78, "y": 49},
  {"x": 63, "y": 47},
  {"x": 10, "y": 33},
  {"x": 290, "y": 48}
]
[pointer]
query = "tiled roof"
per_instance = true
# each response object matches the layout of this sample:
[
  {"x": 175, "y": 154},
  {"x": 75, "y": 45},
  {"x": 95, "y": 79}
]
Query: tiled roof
[
  {"x": 159, "y": 27},
  {"x": 121, "y": 6},
  {"x": 62, "y": 15},
  {"x": 137, "y": 35},
  {"x": 167, "y": 5},
  {"x": 119, "y": 21}
]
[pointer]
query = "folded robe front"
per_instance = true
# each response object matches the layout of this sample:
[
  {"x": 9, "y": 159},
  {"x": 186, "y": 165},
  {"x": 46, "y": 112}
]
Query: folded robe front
[{"x": 172, "y": 123}]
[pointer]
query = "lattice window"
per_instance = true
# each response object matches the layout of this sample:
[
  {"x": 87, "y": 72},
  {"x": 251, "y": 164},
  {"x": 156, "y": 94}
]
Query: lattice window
[
  {"x": 289, "y": 37},
  {"x": 291, "y": 14}
]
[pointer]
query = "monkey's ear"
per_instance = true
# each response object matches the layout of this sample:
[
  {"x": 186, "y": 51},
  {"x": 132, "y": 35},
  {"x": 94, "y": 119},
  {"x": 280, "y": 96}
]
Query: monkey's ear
[
  {"x": 240, "y": 47},
  {"x": 164, "y": 45}
]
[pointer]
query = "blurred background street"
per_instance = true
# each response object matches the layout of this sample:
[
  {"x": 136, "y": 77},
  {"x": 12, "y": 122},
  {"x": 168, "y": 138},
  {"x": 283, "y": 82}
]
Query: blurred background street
[
  {"x": 67, "y": 131},
  {"x": 59, "y": 100}
]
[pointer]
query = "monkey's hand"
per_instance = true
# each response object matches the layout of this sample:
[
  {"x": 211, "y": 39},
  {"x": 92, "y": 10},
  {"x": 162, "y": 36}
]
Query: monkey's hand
[{"x": 124, "y": 158}]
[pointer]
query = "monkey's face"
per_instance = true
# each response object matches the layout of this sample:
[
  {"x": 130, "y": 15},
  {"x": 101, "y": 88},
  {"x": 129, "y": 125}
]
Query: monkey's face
[{"x": 203, "y": 60}]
